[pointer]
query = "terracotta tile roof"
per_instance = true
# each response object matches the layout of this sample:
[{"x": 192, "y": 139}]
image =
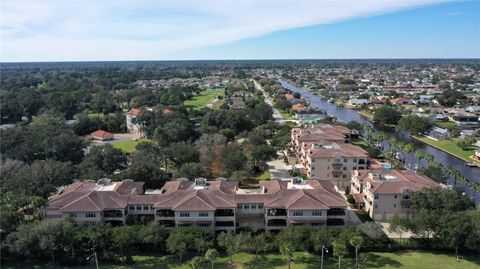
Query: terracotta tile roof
[
  {"x": 134, "y": 112},
  {"x": 394, "y": 181},
  {"x": 340, "y": 150},
  {"x": 101, "y": 133}
]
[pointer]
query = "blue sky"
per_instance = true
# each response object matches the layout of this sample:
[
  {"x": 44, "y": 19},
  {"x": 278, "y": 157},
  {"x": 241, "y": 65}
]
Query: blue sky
[{"x": 238, "y": 29}]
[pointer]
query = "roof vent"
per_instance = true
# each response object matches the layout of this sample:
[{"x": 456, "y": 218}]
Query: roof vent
[
  {"x": 374, "y": 176},
  {"x": 104, "y": 182},
  {"x": 297, "y": 180},
  {"x": 200, "y": 181}
]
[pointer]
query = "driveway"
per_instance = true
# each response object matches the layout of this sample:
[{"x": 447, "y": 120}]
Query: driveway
[
  {"x": 276, "y": 114},
  {"x": 278, "y": 168}
]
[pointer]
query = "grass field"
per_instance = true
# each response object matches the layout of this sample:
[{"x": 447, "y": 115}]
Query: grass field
[
  {"x": 450, "y": 146},
  {"x": 129, "y": 146},
  {"x": 199, "y": 101},
  {"x": 399, "y": 260}
]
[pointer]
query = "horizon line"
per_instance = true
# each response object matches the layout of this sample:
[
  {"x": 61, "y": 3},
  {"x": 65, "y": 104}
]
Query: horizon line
[{"x": 250, "y": 59}]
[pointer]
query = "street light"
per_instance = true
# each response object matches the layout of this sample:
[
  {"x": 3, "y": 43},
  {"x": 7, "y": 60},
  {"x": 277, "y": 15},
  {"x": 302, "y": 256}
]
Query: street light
[
  {"x": 95, "y": 256},
  {"x": 323, "y": 248}
]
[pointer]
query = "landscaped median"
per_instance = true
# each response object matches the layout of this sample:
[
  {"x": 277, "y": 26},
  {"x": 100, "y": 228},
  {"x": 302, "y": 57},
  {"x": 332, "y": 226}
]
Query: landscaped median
[{"x": 449, "y": 146}]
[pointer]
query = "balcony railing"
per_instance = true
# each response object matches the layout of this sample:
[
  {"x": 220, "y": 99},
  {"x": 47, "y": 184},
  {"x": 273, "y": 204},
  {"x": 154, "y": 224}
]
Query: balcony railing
[
  {"x": 224, "y": 213},
  {"x": 277, "y": 223},
  {"x": 112, "y": 214},
  {"x": 165, "y": 213},
  {"x": 224, "y": 224},
  {"x": 336, "y": 212},
  {"x": 274, "y": 212}
]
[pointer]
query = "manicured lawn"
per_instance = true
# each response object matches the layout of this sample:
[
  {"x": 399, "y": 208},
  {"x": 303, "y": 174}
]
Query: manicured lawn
[
  {"x": 129, "y": 146},
  {"x": 399, "y": 260},
  {"x": 199, "y": 101},
  {"x": 285, "y": 115},
  {"x": 450, "y": 146}
]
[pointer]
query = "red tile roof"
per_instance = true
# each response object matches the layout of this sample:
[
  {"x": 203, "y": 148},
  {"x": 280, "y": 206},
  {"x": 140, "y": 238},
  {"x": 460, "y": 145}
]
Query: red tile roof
[
  {"x": 101, "y": 133},
  {"x": 134, "y": 112}
]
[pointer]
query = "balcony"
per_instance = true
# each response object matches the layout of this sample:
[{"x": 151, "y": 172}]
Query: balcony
[
  {"x": 336, "y": 212},
  {"x": 276, "y": 212},
  {"x": 224, "y": 213},
  {"x": 113, "y": 214},
  {"x": 224, "y": 224},
  {"x": 335, "y": 222},
  {"x": 337, "y": 166},
  {"x": 276, "y": 223},
  {"x": 165, "y": 213}
]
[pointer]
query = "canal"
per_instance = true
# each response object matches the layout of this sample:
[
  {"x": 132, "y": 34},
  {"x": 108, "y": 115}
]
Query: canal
[{"x": 345, "y": 115}]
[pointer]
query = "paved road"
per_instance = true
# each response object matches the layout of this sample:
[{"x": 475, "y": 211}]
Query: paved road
[{"x": 276, "y": 114}]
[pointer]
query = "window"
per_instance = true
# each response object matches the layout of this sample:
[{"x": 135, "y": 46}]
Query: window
[
  {"x": 337, "y": 160},
  {"x": 395, "y": 196},
  {"x": 344, "y": 176},
  {"x": 203, "y": 224},
  {"x": 90, "y": 215},
  {"x": 354, "y": 168},
  {"x": 73, "y": 215},
  {"x": 315, "y": 224},
  {"x": 139, "y": 207},
  {"x": 344, "y": 168},
  {"x": 316, "y": 213},
  {"x": 406, "y": 197},
  {"x": 345, "y": 160},
  {"x": 246, "y": 206},
  {"x": 184, "y": 214},
  {"x": 376, "y": 197},
  {"x": 260, "y": 206},
  {"x": 298, "y": 213},
  {"x": 239, "y": 206},
  {"x": 203, "y": 214},
  {"x": 184, "y": 225},
  {"x": 394, "y": 205},
  {"x": 146, "y": 207},
  {"x": 131, "y": 208},
  {"x": 354, "y": 160},
  {"x": 254, "y": 206}
]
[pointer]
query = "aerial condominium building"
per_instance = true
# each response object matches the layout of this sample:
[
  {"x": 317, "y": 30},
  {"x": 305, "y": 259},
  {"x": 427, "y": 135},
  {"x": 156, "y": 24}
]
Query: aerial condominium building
[
  {"x": 215, "y": 205},
  {"x": 384, "y": 193}
]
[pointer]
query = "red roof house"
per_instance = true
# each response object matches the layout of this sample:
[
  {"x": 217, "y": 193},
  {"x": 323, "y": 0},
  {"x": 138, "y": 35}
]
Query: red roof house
[{"x": 102, "y": 135}]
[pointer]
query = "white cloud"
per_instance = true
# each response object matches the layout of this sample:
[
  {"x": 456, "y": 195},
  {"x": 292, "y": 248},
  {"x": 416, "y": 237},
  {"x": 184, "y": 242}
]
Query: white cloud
[{"x": 122, "y": 30}]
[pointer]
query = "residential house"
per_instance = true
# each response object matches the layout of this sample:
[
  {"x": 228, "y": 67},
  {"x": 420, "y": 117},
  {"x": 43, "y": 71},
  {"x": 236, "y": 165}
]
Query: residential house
[
  {"x": 462, "y": 118},
  {"x": 213, "y": 205},
  {"x": 134, "y": 127},
  {"x": 384, "y": 193},
  {"x": 334, "y": 162},
  {"x": 102, "y": 135},
  {"x": 438, "y": 133}
]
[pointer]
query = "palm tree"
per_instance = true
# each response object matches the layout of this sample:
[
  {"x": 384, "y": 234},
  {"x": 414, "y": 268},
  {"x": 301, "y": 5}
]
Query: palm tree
[
  {"x": 356, "y": 242},
  {"x": 339, "y": 250},
  {"x": 211, "y": 255},
  {"x": 407, "y": 149}
]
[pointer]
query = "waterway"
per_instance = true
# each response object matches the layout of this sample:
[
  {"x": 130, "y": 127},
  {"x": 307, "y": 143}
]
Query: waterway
[{"x": 345, "y": 115}]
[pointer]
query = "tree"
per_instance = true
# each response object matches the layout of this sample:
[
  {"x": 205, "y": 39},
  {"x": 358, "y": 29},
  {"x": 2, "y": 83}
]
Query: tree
[
  {"x": 154, "y": 234},
  {"x": 196, "y": 262},
  {"x": 414, "y": 124},
  {"x": 147, "y": 168},
  {"x": 211, "y": 255},
  {"x": 387, "y": 115},
  {"x": 453, "y": 130},
  {"x": 233, "y": 159},
  {"x": 227, "y": 241},
  {"x": 263, "y": 153},
  {"x": 177, "y": 243},
  {"x": 173, "y": 131},
  {"x": 339, "y": 250},
  {"x": 124, "y": 237},
  {"x": 434, "y": 172},
  {"x": 356, "y": 242},
  {"x": 398, "y": 224},
  {"x": 106, "y": 158},
  {"x": 191, "y": 171},
  {"x": 182, "y": 152},
  {"x": 288, "y": 243}
]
